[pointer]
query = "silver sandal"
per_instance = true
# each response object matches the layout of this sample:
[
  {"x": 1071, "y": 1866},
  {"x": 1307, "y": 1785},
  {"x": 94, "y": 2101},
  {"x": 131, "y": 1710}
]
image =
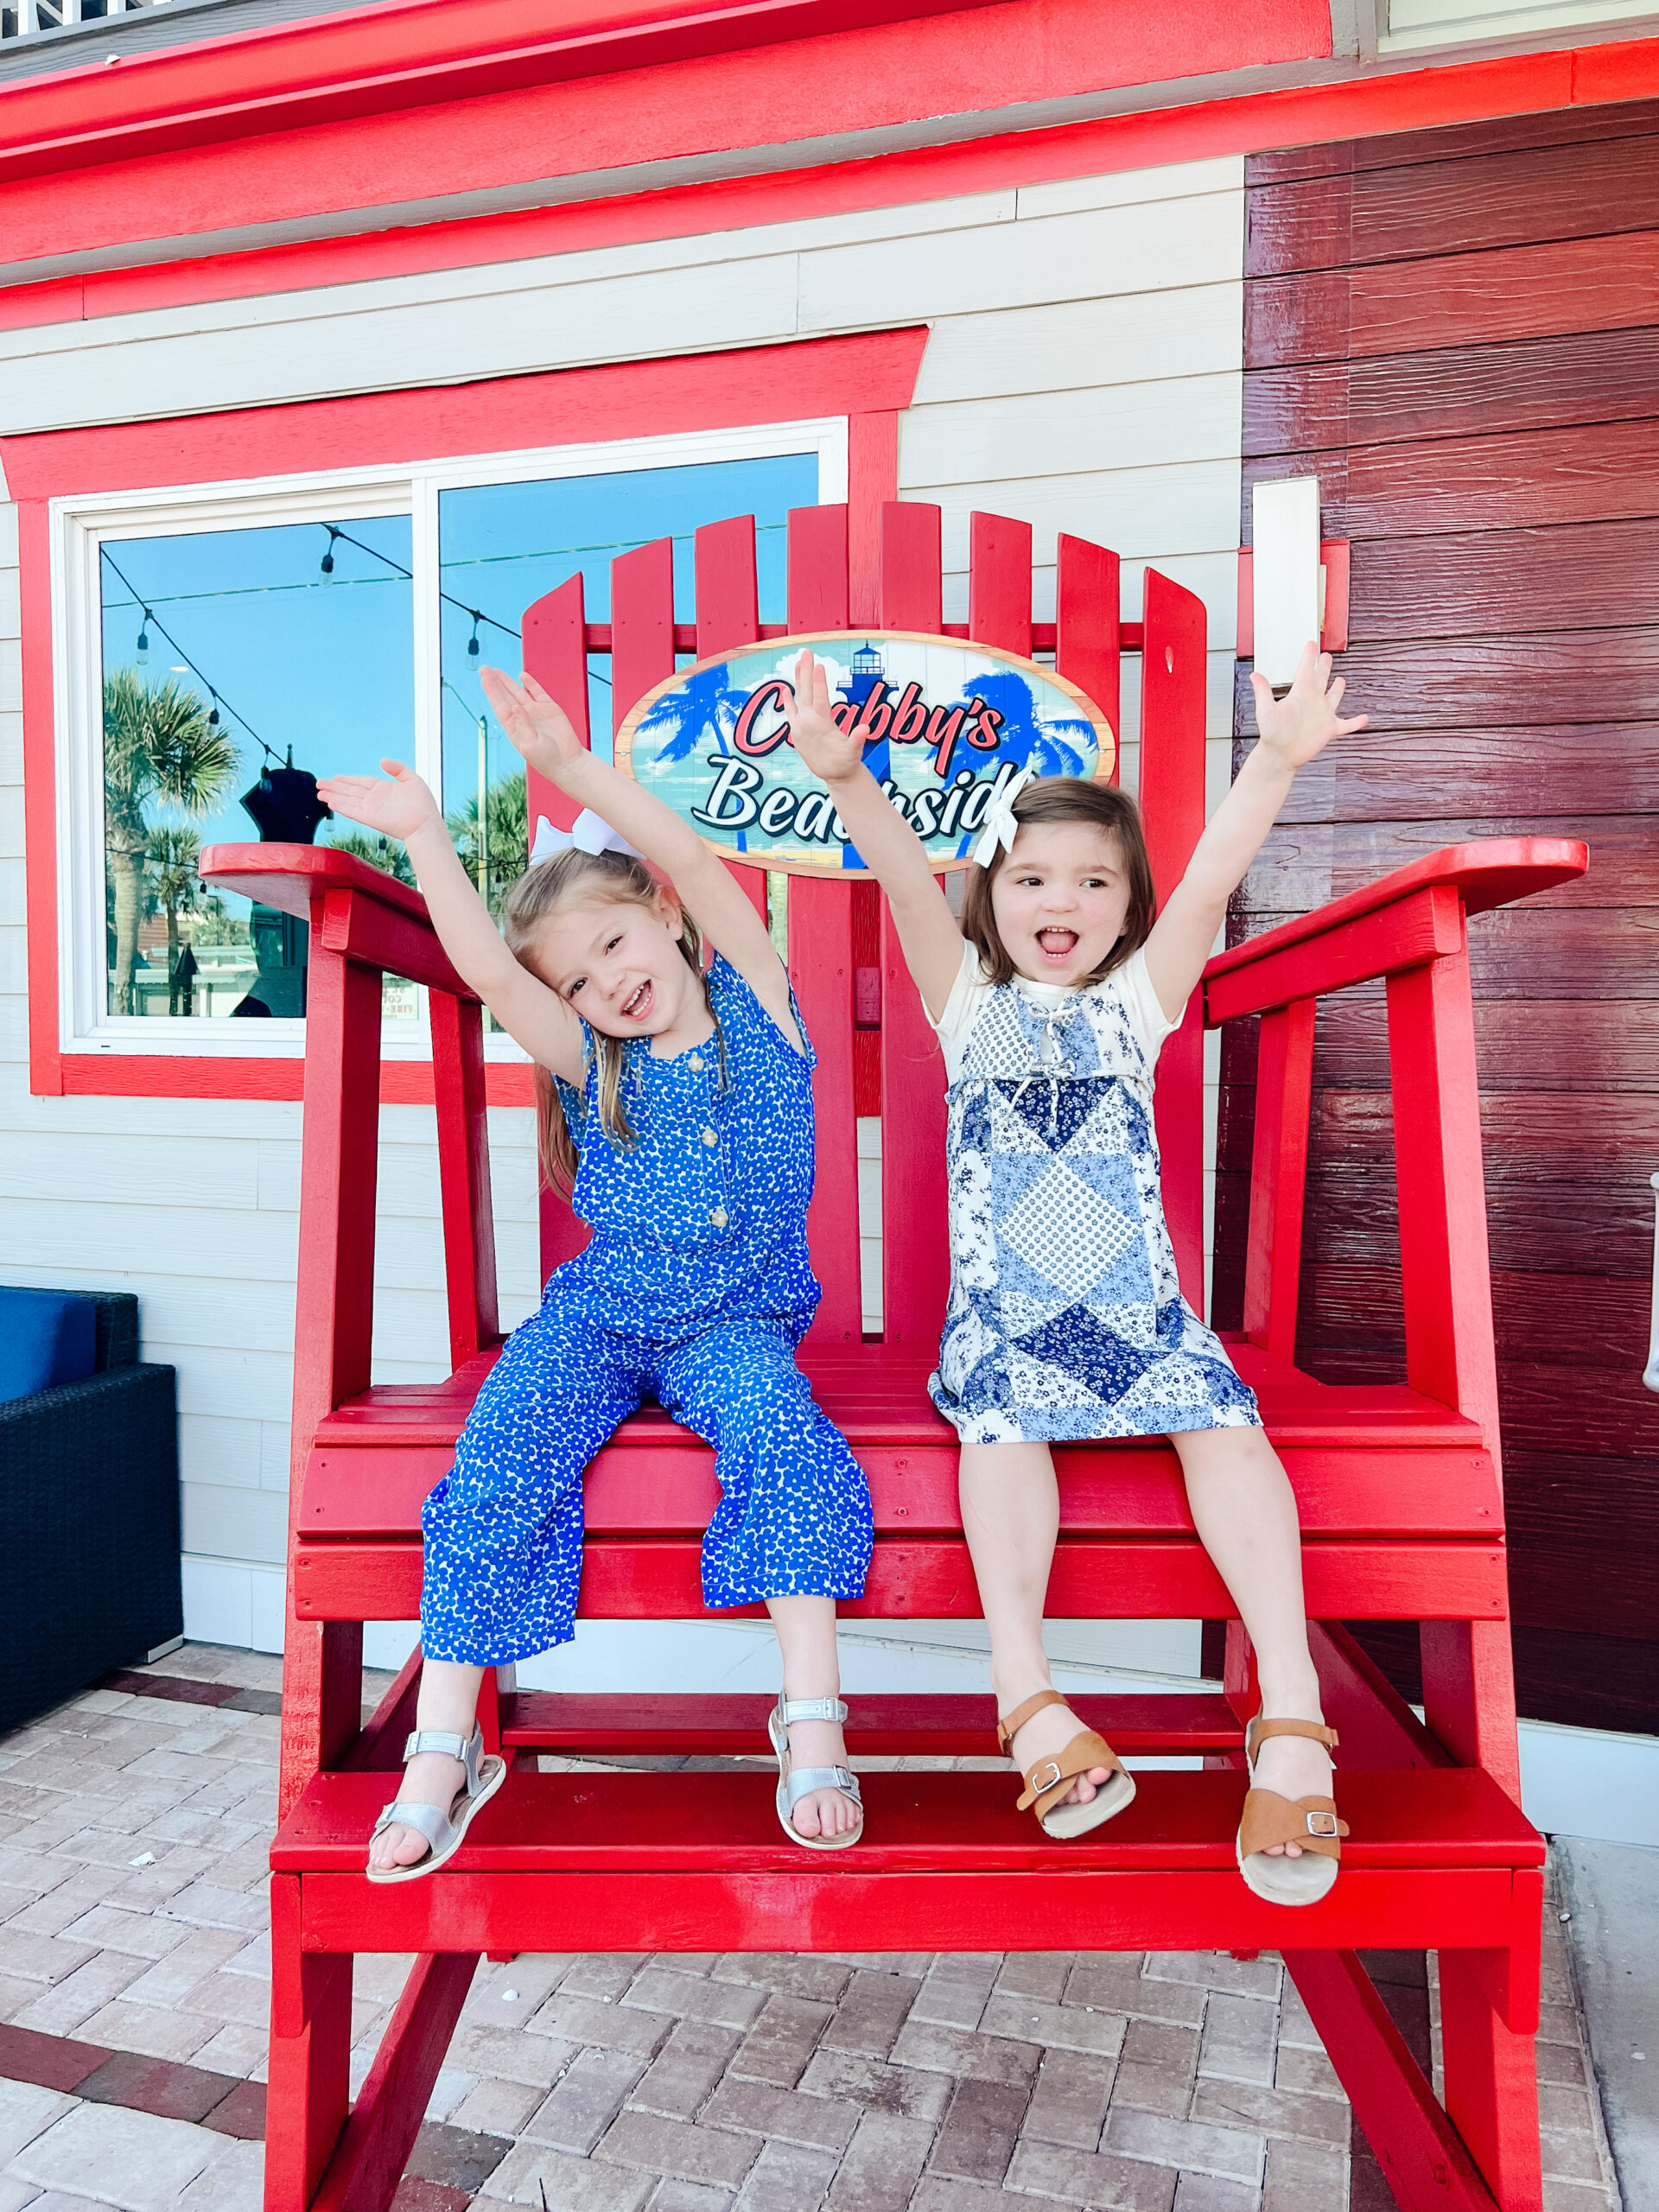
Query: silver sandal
[
  {"x": 794, "y": 1783},
  {"x": 444, "y": 1836}
]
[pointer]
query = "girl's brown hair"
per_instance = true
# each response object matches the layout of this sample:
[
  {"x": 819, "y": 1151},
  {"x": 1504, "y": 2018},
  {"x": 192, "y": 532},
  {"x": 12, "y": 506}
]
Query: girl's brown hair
[
  {"x": 618, "y": 879},
  {"x": 1067, "y": 798}
]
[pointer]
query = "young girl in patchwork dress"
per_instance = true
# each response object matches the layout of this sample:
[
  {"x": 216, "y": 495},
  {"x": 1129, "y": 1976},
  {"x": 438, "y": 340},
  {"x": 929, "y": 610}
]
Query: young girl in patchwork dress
[
  {"x": 1065, "y": 1319},
  {"x": 683, "y": 1116}
]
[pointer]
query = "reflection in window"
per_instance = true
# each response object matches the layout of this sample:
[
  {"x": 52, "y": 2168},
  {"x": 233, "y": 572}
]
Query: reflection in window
[
  {"x": 238, "y": 665},
  {"x": 503, "y": 546}
]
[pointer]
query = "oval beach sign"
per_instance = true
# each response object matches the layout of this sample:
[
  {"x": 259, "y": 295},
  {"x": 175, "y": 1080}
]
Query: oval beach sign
[{"x": 947, "y": 724}]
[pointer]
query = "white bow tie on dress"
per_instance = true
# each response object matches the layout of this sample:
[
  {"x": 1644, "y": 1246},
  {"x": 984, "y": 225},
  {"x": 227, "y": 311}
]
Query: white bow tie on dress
[
  {"x": 999, "y": 826},
  {"x": 592, "y": 834}
]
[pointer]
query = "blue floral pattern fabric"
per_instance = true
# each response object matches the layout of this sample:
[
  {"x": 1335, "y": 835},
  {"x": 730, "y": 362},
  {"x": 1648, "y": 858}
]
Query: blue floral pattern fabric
[
  {"x": 1065, "y": 1318},
  {"x": 696, "y": 1289}
]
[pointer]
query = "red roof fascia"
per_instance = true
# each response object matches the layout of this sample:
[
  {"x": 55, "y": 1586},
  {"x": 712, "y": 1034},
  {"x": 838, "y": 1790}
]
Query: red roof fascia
[{"x": 366, "y": 61}]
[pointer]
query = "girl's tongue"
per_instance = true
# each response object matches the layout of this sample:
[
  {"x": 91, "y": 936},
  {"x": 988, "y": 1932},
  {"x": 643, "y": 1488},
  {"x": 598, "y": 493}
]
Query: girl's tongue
[{"x": 1056, "y": 946}]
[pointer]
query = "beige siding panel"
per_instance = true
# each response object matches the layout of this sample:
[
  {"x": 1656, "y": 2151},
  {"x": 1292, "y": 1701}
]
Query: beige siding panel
[
  {"x": 737, "y": 303},
  {"x": 212, "y": 1171},
  {"x": 1055, "y": 435},
  {"x": 1170, "y": 181},
  {"x": 236, "y": 1523},
  {"x": 1061, "y": 258},
  {"x": 1142, "y": 514},
  {"x": 215, "y": 1450},
  {"x": 1132, "y": 340}
]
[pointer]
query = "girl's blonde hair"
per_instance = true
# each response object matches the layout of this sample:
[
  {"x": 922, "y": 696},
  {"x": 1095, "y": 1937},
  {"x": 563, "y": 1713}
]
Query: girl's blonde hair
[
  {"x": 612, "y": 878},
  {"x": 1067, "y": 798}
]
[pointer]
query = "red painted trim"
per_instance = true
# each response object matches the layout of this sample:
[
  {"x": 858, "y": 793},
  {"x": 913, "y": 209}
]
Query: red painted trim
[
  {"x": 1475, "y": 92},
  {"x": 891, "y": 61},
  {"x": 137, "y": 1075},
  {"x": 874, "y": 375}
]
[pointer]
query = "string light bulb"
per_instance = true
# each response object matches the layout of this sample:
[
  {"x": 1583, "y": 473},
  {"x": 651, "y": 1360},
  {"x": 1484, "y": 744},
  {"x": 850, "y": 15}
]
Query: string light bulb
[
  {"x": 328, "y": 557},
  {"x": 212, "y": 719},
  {"x": 472, "y": 643},
  {"x": 143, "y": 648}
]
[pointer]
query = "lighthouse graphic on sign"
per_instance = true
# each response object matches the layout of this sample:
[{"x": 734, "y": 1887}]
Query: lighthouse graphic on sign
[{"x": 869, "y": 669}]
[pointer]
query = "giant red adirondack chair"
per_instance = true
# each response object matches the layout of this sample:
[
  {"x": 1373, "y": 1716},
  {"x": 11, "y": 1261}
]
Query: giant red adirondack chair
[{"x": 1398, "y": 1486}]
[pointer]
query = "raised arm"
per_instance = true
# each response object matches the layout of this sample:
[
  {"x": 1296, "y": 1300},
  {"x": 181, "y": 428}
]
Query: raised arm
[
  {"x": 1294, "y": 730},
  {"x": 890, "y": 848},
  {"x": 400, "y": 805},
  {"x": 540, "y": 730}
]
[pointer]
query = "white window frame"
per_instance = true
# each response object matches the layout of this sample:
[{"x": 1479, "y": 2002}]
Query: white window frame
[{"x": 80, "y": 526}]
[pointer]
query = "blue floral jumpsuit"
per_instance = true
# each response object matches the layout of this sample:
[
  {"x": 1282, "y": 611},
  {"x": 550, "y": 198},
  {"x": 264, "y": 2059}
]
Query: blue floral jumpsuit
[{"x": 696, "y": 1289}]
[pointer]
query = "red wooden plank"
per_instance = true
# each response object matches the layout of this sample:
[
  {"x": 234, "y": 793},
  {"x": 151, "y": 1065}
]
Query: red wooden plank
[
  {"x": 911, "y": 591},
  {"x": 309, "y": 2093},
  {"x": 374, "y": 2146},
  {"x": 555, "y": 652},
  {"x": 1377, "y": 1727},
  {"x": 1087, "y": 631},
  {"x": 728, "y": 611},
  {"x": 852, "y": 1910},
  {"x": 464, "y": 1173},
  {"x": 1278, "y": 1176},
  {"x": 1589, "y": 575},
  {"x": 915, "y": 1245},
  {"x": 1422, "y": 2156},
  {"x": 1436, "y": 1818},
  {"x": 642, "y": 624},
  {"x": 1561, "y": 125},
  {"x": 821, "y": 969},
  {"x": 1424, "y": 925},
  {"x": 729, "y": 615},
  {"x": 872, "y": 480},
  {"x": 658, "y": 1578},
  {"x": 818, "y": 568},
  {"x": 368, "y": 929},
  {"x": 1173, "y": 684},
  {"x": 1492, "y": 2080},
  {"x": 999, "y": 582},
  {"x": 660, "y": 1481},
  {"x": 292, "y": 877},
  {"x": 885, "y": 1727},
  {"x": 388, "y": 1728},
  {"x": 1537, "y": 383},
  {"x": 1443, "y": 1245}
]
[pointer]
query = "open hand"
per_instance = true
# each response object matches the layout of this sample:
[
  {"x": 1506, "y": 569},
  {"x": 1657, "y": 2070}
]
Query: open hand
[
  {"x": 831, "y": 755},
  {"x": 1301, "y": 724},
  {"x": 396, "y": 808},
  {"x": 536, "y": 725}
]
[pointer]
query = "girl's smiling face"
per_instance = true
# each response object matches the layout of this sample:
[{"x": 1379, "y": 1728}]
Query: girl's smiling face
[
  {"x": 1060, "y": 900},
  {"x": 619, "y": 964}
]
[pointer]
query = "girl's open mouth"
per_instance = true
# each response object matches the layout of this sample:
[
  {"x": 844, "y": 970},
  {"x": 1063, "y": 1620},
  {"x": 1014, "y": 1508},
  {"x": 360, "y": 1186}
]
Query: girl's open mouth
[
  {"x": 1057, "y": 945},
  {"x": 636, "y": 1007}
]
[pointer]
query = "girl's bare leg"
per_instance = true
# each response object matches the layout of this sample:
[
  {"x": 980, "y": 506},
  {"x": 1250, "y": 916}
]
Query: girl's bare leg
[
  {"x": 1245, "y": 1513},
  {"x": 448, "y": 1704},
  {"x": 1011, "y": 1515},
  {"x": 806, "y": 1636}
]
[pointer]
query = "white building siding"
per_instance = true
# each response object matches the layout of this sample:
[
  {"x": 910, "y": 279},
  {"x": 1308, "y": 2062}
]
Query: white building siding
[{"x": 1083, "y": 372}]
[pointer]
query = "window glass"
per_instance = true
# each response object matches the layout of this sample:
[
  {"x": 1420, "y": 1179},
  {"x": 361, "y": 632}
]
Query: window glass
[
  {"x": 236, "y": 665},
  {"x": 502, "y": 546}
]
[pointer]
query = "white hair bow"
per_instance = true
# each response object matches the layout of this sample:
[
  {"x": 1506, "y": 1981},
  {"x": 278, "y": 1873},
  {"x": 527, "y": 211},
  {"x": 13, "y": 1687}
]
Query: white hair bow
[
  {"x": 1000, "y": 827},
  {"x": 592, "y": 834}
]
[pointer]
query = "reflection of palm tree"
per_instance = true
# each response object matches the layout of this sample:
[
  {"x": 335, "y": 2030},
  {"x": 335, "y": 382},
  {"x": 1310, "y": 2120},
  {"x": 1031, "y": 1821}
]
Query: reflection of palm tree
[
  {"x": 159, "y": 749},
  {"x": 506, "y": 833},
  {"x": 174, "y": 883},
  {"x": 385, "y": 853}
]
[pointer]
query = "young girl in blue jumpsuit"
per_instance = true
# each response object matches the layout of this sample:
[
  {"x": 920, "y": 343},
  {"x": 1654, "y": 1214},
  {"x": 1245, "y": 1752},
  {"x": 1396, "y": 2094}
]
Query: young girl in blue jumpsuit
[{"x": 684, "y": 1108}]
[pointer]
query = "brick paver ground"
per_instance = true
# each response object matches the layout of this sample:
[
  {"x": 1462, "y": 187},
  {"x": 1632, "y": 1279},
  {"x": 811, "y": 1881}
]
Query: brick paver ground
[{"x": 134, "y": 1973}]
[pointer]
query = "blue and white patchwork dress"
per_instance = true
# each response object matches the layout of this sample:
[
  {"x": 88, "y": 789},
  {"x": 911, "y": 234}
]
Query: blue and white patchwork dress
[{"x": 1065, "y": 1319}]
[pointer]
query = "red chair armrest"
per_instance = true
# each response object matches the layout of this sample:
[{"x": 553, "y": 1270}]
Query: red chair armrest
[
  {"x": 358, "y": 911},
  {"x": 1400, "y": 921}
]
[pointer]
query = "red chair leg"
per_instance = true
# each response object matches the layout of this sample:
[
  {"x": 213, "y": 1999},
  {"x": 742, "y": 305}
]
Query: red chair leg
[
  {"x": 1469, "y": 1695},
  {"x": 309, "y": 2092},
  {"x": 1491, "y": 2085}
]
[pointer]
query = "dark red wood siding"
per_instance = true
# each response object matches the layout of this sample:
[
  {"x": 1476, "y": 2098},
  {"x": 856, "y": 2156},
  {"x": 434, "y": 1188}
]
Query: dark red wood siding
[{"x": 1458, "y": 330}]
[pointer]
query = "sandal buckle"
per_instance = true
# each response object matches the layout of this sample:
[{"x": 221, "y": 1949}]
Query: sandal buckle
[
  {"x": 1322, "y": 1824},
  {"x": 1033, "y": 1779}
]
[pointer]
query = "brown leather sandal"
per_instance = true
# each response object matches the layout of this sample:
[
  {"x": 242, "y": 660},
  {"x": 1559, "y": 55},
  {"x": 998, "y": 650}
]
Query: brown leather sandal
[
  {"x": 1270, "y": 1819},
  {"x": 1050, "y": 1779}
]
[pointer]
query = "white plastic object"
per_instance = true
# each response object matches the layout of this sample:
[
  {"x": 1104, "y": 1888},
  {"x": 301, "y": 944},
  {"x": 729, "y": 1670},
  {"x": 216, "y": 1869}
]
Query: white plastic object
[
  {"x": 1650, "y": 1373},
  {"x": 1284, "y": 573}
]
